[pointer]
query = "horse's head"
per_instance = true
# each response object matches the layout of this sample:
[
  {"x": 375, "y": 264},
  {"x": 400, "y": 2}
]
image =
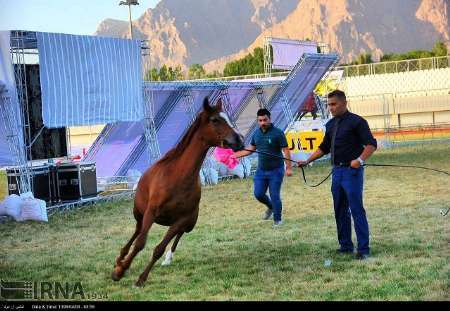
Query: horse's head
[{"x": 217, "y": 129}]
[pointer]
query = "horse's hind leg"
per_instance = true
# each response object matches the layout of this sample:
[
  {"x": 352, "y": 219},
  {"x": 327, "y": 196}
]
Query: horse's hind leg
[
  {"x": 141, "y": 238},
  {"x": 187, "y": 227},
  {"x": 169, "y": 254},
  {"x": 158, "y": 252},
  {"x": 124, "y": 251}
]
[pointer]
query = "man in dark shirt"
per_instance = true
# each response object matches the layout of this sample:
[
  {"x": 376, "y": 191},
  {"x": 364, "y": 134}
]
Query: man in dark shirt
[
  {"x": 350, "y": 142},
  {"x": 270, "y": 171}
]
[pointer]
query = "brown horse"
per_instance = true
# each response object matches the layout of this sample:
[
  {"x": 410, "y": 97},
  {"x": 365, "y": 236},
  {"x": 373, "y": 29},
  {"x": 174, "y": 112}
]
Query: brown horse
[{"x": 169, "y": 191}]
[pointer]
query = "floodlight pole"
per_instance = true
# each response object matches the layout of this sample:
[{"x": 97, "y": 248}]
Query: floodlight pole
[
  {"x": 130, "y": 3},
  {"x": 131, "y": 23}
]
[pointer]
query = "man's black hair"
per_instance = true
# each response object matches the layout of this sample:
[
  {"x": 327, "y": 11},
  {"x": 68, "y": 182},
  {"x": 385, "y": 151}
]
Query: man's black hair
[
  {"x": 263, "y": 112},
  {"x": 339, "y": 94}
]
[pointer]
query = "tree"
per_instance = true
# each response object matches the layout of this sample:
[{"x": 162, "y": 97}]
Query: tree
[
  {"x": 439, "y": 49},
  {"x": 196, "y": 71},
  {"x": 152, "y": 75},
  {"x": 178, "y": 73},
  {"x": 170, "y": 74},
  {"x": 214, "y": 74},
  {"x": 252, "y": 63},
  {"x": 163, "y": 73},
  {"x": 364, "y": 58}
]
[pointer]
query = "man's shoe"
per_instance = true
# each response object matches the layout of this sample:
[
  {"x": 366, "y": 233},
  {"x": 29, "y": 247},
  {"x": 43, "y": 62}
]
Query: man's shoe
[
  {"x": 268, "y": 214},
  {"x": 277, "y": 224},
  {"x": 344, "y": 251},
  {"x": 360, "y": 256}
]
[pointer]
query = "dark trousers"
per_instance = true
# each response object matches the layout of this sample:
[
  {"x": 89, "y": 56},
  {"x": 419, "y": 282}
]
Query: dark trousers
[
  {"x": 347, "y": 190},
  {"x": 271, "y": 179}
]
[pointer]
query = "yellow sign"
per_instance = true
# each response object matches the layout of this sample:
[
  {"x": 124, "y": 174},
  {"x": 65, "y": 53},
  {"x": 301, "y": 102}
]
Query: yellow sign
[{"x": 307, "y": 141}]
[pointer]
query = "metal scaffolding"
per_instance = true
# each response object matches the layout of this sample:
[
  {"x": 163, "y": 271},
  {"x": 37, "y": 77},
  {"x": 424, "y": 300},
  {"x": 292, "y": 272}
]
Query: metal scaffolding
[{"x": 17, "y": 126}]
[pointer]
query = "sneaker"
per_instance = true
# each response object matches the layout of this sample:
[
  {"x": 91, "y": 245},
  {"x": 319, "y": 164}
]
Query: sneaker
[
  {"x": 268, "y": 214},
  {"x": 277, "y": 224},
  {"x": 360, "y": 256}
]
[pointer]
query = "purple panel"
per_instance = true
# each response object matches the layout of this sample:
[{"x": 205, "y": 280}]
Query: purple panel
[
  {"x": 300, "y": 87},
  {"x": 286, "y": 53},
  {"x": 173, "y": 128},
  {"x": 198, "y": 97},
  {"x": 268, "y": 79},
  {"x": 117, "y": 146},
  {"x": 235, "y": 97},
  {"x": 159, "y": 97}
]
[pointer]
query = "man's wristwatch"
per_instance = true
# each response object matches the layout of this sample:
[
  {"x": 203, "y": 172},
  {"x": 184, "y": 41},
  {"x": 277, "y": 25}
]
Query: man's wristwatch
[{"x": 361, "y": 161}]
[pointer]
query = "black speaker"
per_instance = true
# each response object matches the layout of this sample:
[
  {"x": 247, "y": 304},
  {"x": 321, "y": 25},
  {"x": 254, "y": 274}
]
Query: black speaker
[
  {"x": 43, "y": 182},
  {"x": 76, "y": 181},
  {"x": 46, "y": 143}
]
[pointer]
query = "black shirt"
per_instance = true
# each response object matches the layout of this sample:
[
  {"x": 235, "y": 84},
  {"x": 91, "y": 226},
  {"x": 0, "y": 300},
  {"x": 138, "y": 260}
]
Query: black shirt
[{"x": 352, "y": 135}]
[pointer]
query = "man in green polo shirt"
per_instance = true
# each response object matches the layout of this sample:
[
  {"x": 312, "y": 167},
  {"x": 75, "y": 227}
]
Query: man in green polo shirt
[{"x": 270, "y": 171}]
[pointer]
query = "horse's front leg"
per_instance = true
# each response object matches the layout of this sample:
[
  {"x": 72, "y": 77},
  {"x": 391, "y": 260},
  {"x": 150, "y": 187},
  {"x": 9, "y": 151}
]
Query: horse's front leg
[
  {"x": 125, "y": 250},
  {"x": 158, "y": 252},
  {"x": 123, "y": 265}
]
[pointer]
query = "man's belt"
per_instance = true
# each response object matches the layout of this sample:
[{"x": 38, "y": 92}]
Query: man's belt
[{"x": 342, "y": 164}]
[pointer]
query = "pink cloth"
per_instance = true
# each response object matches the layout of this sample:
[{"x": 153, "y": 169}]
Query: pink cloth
[{"x": 223, "y": 155}]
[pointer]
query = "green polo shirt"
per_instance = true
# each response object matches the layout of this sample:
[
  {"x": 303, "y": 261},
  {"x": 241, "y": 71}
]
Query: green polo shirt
[{"x": 272, "y": 141}]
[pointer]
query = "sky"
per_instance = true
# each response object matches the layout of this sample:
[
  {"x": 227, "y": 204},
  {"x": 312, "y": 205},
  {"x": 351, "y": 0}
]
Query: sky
[{"x": 79, "y": 17}]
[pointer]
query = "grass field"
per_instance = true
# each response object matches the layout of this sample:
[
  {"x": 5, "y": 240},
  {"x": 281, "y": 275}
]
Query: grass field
[{"x": 233, "y": 255}]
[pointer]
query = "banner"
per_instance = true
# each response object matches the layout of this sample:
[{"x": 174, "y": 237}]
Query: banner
[
  {"x": 306, "y": 141},
  {"x": 286, "y": 52}
]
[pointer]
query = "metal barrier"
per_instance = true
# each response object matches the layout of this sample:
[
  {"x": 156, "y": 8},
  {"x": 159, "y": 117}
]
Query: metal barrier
[{"x": 396, "y": 66}]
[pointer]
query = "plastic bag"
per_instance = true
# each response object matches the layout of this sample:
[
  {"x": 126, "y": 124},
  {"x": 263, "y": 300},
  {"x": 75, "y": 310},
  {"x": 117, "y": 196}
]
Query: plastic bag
[
  {"x": 12, "y": 206},
  {"x": 33, "y": 209},
  {"x": 223, "y": 155},
  {"x": 213, "y": 176},
  {"x": 238, "y": 171}
]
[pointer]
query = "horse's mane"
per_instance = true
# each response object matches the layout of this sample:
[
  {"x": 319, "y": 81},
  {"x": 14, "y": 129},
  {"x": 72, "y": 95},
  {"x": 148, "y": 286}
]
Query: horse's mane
[{"x": 181, "y": 146}]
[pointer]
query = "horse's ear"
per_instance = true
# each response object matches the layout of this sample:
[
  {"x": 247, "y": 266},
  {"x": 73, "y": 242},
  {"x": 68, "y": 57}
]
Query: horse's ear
[
  {"x": 206, "y": 106},
  {"x": 219, "y": 105}
]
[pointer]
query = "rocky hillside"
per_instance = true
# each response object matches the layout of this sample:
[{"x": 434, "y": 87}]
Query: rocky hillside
[{"x": 212, "y": 32}]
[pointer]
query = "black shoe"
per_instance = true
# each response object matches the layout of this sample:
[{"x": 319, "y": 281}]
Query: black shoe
[
  {"x": 344, "y": 251},
  {"x": 360, "y": 256}
]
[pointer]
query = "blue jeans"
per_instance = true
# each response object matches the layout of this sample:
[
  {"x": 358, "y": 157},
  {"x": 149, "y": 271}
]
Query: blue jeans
[
  {"x": 347, "y": 190},
  {"x": 269, "y": 179}
]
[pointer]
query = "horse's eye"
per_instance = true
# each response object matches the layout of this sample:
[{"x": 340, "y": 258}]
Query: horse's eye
[{"x": 215, "y": 120}]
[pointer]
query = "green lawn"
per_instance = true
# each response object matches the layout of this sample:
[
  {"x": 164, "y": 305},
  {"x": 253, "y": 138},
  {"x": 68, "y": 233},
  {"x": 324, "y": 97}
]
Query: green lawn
[{"x": 233, "y": 255}]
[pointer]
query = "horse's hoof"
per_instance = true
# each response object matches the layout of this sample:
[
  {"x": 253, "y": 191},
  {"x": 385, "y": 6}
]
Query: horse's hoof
[
  {"x": 139, "y": 283},
  {"x": 117, "y": 274},
  {"x": 119, "y": 264}
]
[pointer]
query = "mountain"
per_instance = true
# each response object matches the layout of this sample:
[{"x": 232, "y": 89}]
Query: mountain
[
  {"x": 213, "y": 32},
  {"x": 182, "y": 32}
]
